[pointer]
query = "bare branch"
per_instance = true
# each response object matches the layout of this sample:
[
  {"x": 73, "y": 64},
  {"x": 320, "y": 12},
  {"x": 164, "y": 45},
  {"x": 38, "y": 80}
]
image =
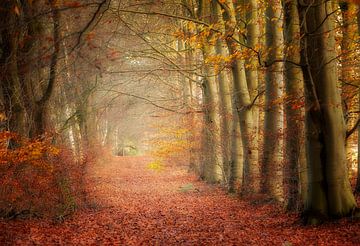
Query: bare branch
[
  {"x": 96, "y": 17},
  {"x": 352, "y": 130},
  {"x": 54, "y": 56}
]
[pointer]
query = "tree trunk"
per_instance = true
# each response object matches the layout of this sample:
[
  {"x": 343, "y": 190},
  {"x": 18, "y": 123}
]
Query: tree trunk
[
  {"x": 273, "y": 125},
  {"x": 212, "y": 166},
  {"x": 237, "y": 160},
  {"x": 251, "y": 179},
  {"x": 193, "y": 156},
  {"x": 226, "y": 126},
  {"x": 40, "y": 108},
  {"x": 224, "y": 93},
  {"x": 357, "y": 188},
  {"x": 213, "y": 171},
  {"x": 329, "y": 191},
  {"x": 251, "y": 63},
  {"x": 185, "y": 58},
  {"x": 293, "y": 108},
  {"x": 70, "y": 124},
  {"x": 348, "y": 75},
  {"x": 11, "y": 85}
]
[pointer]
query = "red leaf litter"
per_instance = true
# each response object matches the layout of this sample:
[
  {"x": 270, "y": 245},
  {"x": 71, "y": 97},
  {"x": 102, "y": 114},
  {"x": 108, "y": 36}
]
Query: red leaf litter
[{"x": 131, "y": 204}]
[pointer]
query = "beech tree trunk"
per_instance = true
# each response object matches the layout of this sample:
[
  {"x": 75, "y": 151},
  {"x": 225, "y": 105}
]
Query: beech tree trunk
[
  {"x": 348, "y": 75},
  {"x": 251, "y": 179},
  {"x": 212, "y": 166},
  {"x": 213, "y": 170},
  {"x": 224, "y": 93},
  {"x": 357, "y": 188},
  {"x": 293, "y": 106},
  {"x": 273, "y": 125},
  {"x": 329, "y": 191},
  {"x": 252, "y": 63},
  {"x": 237, "y": 158}
]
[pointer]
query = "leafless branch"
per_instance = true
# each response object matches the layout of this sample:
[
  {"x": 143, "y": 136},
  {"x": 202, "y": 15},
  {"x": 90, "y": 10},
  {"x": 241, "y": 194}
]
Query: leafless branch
[{"x": 352, "y": 130}]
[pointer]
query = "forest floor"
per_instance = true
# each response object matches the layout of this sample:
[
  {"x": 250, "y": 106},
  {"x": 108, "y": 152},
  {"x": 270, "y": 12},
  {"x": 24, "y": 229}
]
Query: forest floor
[{"x": 134, "y": 205}]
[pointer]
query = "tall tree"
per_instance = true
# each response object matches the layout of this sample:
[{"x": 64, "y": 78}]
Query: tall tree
[
  {"x": 26, "y": 98},
  {"x": 237, "y": 158},
  {"x": 273, "y": 125},
  {"x": 294, "y": 130},
  {"x": 348, "y": 74},
  {"x": 252, "y": 26},
  {"x": 224, "y": 90},
  {"x": 41, "y": 105},
  {"x": 329, "y": 191},
  {"x": 357, "y": 188},
  {"x": 213, "y": 169},
  {"x": 12, "y": 89},
  {"x": 244, "y": 104}
]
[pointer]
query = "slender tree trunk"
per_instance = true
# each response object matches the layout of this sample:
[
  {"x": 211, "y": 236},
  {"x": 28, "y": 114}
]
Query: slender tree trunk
[
  {"x": 39, "y": 109},
  {"x": 226, "y": 126},
  {"x": 251, "y": 63},
  {"x": 329, "y": 191},
  {"x": 109, "y": 138},
  {"x": 237, "y": 160},
  {"x": 273, "y": 125},
  {"x": 73, "y": 131},
  {"x": 347, "y": 73},
  {"x": 185, "y": 57},
  {"x": 213, "y": 168},
  {"x": 357, "y": 188},
  {"x": 293, "y": 109},
  {"x": 224, "y": 93},
  {"x": 193, "y": 157},
  {"x": 191, "y": 119}
]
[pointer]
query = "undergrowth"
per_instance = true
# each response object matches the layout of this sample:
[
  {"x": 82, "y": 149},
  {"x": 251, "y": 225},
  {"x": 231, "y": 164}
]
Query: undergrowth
[{"x": 38, "y": 179}]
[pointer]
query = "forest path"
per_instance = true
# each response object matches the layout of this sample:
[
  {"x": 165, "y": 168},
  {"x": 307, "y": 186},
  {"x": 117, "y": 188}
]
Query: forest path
[{"x": 134, "y": 205}]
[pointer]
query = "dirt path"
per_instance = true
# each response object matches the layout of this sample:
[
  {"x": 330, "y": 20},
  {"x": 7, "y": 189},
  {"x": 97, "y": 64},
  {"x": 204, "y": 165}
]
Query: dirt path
[{"x": 133, "y": 205}]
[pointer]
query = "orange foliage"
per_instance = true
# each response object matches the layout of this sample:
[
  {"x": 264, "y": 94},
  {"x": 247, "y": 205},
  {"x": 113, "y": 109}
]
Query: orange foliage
[
  {"x": 36, "y": 178},
  {"x": 173, "y": 142},
  {"x": 30, "y": 151}
]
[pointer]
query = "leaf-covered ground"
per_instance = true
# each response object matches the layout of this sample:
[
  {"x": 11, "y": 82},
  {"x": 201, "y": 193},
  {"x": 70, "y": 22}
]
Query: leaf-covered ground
[{"x": 134, "y": 205}]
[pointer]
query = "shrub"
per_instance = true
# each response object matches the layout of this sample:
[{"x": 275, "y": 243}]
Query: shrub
[{"x": 36, "y": 178}]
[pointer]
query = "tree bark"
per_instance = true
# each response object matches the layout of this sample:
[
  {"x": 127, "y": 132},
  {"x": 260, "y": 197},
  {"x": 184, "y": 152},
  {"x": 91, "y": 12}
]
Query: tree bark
[
  {"x": 294, "y": 112},
  {"x": 213, "y": 171},
  {"x": 213, "y": 166},
  {"x": 273, "y": 125},
  {"x": 347, "y": 74},
  {"x": 41, "y": 106},
  {"x": 357, "y": 187},
  {"x": 329, "y": 191},
  {"x": 237, "y": 159},
  {"x": 11, "y": 85},
  {"x": 251, "y": 63},
  {"x": 25, "y": 114},
  {"x": 224, "y": 93},
  {"x": 251, "y": 179}
]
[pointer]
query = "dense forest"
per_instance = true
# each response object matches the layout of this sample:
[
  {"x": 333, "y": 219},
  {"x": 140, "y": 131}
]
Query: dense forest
[{"x": 253, "y": 104}]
